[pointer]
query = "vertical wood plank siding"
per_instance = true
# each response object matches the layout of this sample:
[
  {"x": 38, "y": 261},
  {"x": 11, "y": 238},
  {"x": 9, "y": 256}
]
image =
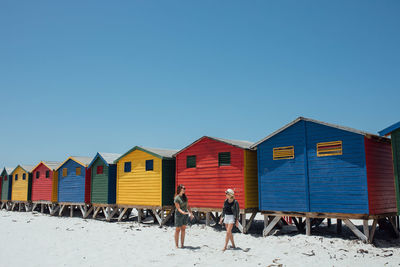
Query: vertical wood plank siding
[
  {"x": 396, "y": 164},
  {"x": 381, "y": 191},
  {"x": 42, "y": 187},
  {"x": 206, "y": 184},
  {"x": 337, "y": 183},
  {"x": 282, "y": 183},
  {"x": 100, "y": 183},
  {"x": 71, "y": 188},
  {"x": 250, "y": 179},
  {"x": 20, "y": 187},
  {"x": 139, "y": 187},
  {"x": 6, "y": 188}
]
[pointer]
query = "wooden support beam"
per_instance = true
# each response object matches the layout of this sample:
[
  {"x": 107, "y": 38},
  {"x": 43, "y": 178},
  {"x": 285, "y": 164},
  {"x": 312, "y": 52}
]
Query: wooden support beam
[
  {"x": 53, "y": 209},
  {"x": 34, "y": 206},
  {"x": 308, "y": 226},
  {"x": 42, "y": 208},
  {"x": 366, "y": 229},
  {"x": 140, "y": 214},
  {"x": 19, "y": 207},
  {"x": 71, "y": 211},
  {"x": 115, "y": 209},
  {"x": 61, "y": 210},
  {"x": 244, "y": 222},
  {"x": 168, "y": 217},
  {"x": 87, "y": 213},
  {"x": 96, "y": 211},
  {"x": 13, "y": 205},
  {"x": 157, "y": 216},
  {"x": 253, "y": 215},
  {"x": 339, "y": 226},
  {"x": 215, "y": 218},
  {"x": 207, "y": 218},
  {"x": 392, "y": 221},
  {"x": 372, "y": 233},
  {"x": 271, "y": 225},
  {"x": 122, "y": 214},
  {"x": 354, "y": 229}
]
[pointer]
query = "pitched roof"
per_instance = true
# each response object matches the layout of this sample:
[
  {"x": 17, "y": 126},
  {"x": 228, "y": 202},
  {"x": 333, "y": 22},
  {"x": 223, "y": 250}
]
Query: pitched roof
[
  {"x": 390, "y": 129},
  {"x": 158, "y": 152},
  {"x": 237, "y": 143},
  {"x": 81, "y": 160},
  {"x": 52, "y": 165},
  {"x": 348, "y": 129},
  {"x": 108, "y": 158},
  {"x": 8, "y": 170},
  {"x": 27, "y": 168}
]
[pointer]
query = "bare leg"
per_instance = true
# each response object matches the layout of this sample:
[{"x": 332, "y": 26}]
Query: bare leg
[
  {"x": 231, "y": 236},
  {"x": 228, "y": 235},
  {"x": 183, "y": 232},
  {"x": 177, "y": 230}
]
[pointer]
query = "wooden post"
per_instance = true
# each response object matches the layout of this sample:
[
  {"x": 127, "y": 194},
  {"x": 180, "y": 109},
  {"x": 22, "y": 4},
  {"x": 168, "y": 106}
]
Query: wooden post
[
  {"x": 61, "y": 210},
  {"x": 354, "y": 229},
  {"x": 271, "y": 225},
  {"x": 96, "y": 211},
  {"x": 42, "y": 208},
  {"x": 207, "y": 218},
  {"x": 139, "y": 215},
  {"x": 124, "y": 210},
  {"x": 266, "y": 221},
  {"x": 373, "y": 228},
  {"x": 71, "y": 210},
  {"x": 366, "y": 229},
  {"x": 339, "y": 226},
  {"x": 244, "y": 222},
  {"x": 308, "y": 226},
  {"x": 19, "y": 207},
  {"x": 253, "y": 215}
]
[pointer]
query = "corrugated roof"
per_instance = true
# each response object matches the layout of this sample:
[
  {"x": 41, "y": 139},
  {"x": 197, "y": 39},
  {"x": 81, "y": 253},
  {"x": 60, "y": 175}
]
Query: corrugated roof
[
  {"x": 165, "y": 153},
  {"x": 27, "y": 168},
  {"x": 53, "y": 165},
  {"x": 348, "y": 129},
  {"x": 237, "y": 143},
  {"x": 390, "y": 129},
  {"x": 109, "y": 158},
  {"x": 158, "y": 152}
]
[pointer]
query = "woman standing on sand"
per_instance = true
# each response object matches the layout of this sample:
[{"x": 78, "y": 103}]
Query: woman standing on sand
[
  {"x": 230, "y": 215},
  {"x": 182, "y": 212}
]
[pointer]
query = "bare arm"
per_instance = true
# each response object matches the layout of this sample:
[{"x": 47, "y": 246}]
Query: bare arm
[{"x": 178, "y": 208}]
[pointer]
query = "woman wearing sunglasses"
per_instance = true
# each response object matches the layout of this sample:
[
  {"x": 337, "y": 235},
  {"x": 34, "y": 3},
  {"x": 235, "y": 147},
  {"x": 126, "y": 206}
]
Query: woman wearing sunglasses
[
  {"x": 182, "y": 213},
  {"x": 230, "y": 216}
]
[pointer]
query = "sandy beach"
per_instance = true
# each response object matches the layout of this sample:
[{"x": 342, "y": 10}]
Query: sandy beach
[{"x": 41, "y": 240}]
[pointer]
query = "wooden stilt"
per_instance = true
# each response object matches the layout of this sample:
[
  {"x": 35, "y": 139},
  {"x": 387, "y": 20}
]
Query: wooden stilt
[
  {"x": 215, "y": 218},
  {"x": 61, "y": 210},
  {"x": 372, "y": 233},
  {"x": 71, "y": 211},
  {"x": 122, "y": 214},
  {"x": 339, "y": 226},
  {"x": 87, "y": 213},
  {"x": 392, "y": 221},
  {"x": 42, "y": 208},
  {"x": 207, "y": 218},
  {"x": 354, "y": 229},
  {"x": 253, "y": 215},
  {"x": 157, "y": 216},
  {"x": 244, "y": 222},
  {"x": 96, "y": 211},
  {"x": 169, "y": 215},
  {"x": 112, "y": 214},
  {"x": 308, "y": 226},
  {"x": 271, "y": 225},
  {"x": 140, "y": 214},
  {"x": 366, "y": 229}
]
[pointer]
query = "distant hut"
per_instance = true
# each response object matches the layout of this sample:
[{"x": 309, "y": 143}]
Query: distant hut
[
  {"x": 210, "y": 165},
  {"x": 44, "y": 185},
  {"x": 103, "y": 187},
  {"x": 146, "y": 180},
  {"x": 313, "y": 169},
  {"x": 6, "y": 181},
  {"x": 74, "y": 178},
  {"x": 21, "y": 187}
]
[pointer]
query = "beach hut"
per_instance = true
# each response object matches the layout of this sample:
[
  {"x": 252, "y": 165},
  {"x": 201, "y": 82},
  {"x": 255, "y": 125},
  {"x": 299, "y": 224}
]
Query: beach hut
[
  {"x": 103, "y": 187},
  {"x": 314, "y": 169},
  {"x": 146, "y": 180},
  {"x": 21, "y": 185},
  {"x": 44, "y": 185},
  {"x": 209, "y": 166},
  {"x": 6, "y": 181},
  {"x": 394, "y": 132},
  {"x": 74, "y": 178}
]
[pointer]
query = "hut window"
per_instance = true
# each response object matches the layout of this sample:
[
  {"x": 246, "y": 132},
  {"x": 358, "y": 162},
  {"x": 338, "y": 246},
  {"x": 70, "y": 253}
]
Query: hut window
[
  {"x": 23, "y": 176},
  {"x": 149, "y": 165},
  {"x": 127, "y": 167},
  {"x": 37, "y": 175},
  {"x": 47, "y": 174},
  {"x": 65, "y": 172},
  {"x": 329, "y": 149},
  {"x": 99, "y": 170},
  {"x": 224, "y": 159},
  {"x": 191, "y": 162},
  {"x": 285, "y": 152},
  {"x": 78, "y": 171},
  {"x": 16, "y": 177}
]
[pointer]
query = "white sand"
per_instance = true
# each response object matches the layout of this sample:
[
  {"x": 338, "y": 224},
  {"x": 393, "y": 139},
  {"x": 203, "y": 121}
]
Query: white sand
[{"x": 40, "y": 240}]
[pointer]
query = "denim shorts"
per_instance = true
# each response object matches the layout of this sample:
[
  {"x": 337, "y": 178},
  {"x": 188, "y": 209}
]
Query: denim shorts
[{"x": 229, "y": 219}]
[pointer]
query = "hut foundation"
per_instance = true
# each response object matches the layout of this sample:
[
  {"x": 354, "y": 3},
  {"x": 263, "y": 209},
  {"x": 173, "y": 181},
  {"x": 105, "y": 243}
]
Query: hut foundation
[
  {"x": 161, "y": 214},
  {"x": 271, "y": 219}
]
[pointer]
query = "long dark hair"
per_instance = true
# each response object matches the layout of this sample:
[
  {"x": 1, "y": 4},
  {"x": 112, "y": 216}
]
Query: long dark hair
[{"x": 178, "y": 191}]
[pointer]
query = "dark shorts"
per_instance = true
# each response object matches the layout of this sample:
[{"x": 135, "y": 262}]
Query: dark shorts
[{"x": 181, "y": 220}]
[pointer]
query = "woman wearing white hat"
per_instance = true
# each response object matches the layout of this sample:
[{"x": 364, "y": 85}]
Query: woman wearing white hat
[{"x": 230, "y": 216}]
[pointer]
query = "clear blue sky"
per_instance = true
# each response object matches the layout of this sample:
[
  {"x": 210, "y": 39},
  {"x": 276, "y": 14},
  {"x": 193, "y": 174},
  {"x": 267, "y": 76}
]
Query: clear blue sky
[{"x": 77, "y": 77}]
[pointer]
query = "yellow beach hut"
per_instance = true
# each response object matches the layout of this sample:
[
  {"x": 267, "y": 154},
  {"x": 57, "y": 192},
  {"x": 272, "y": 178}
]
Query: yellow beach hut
[{"x": 21, "y": 183}]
